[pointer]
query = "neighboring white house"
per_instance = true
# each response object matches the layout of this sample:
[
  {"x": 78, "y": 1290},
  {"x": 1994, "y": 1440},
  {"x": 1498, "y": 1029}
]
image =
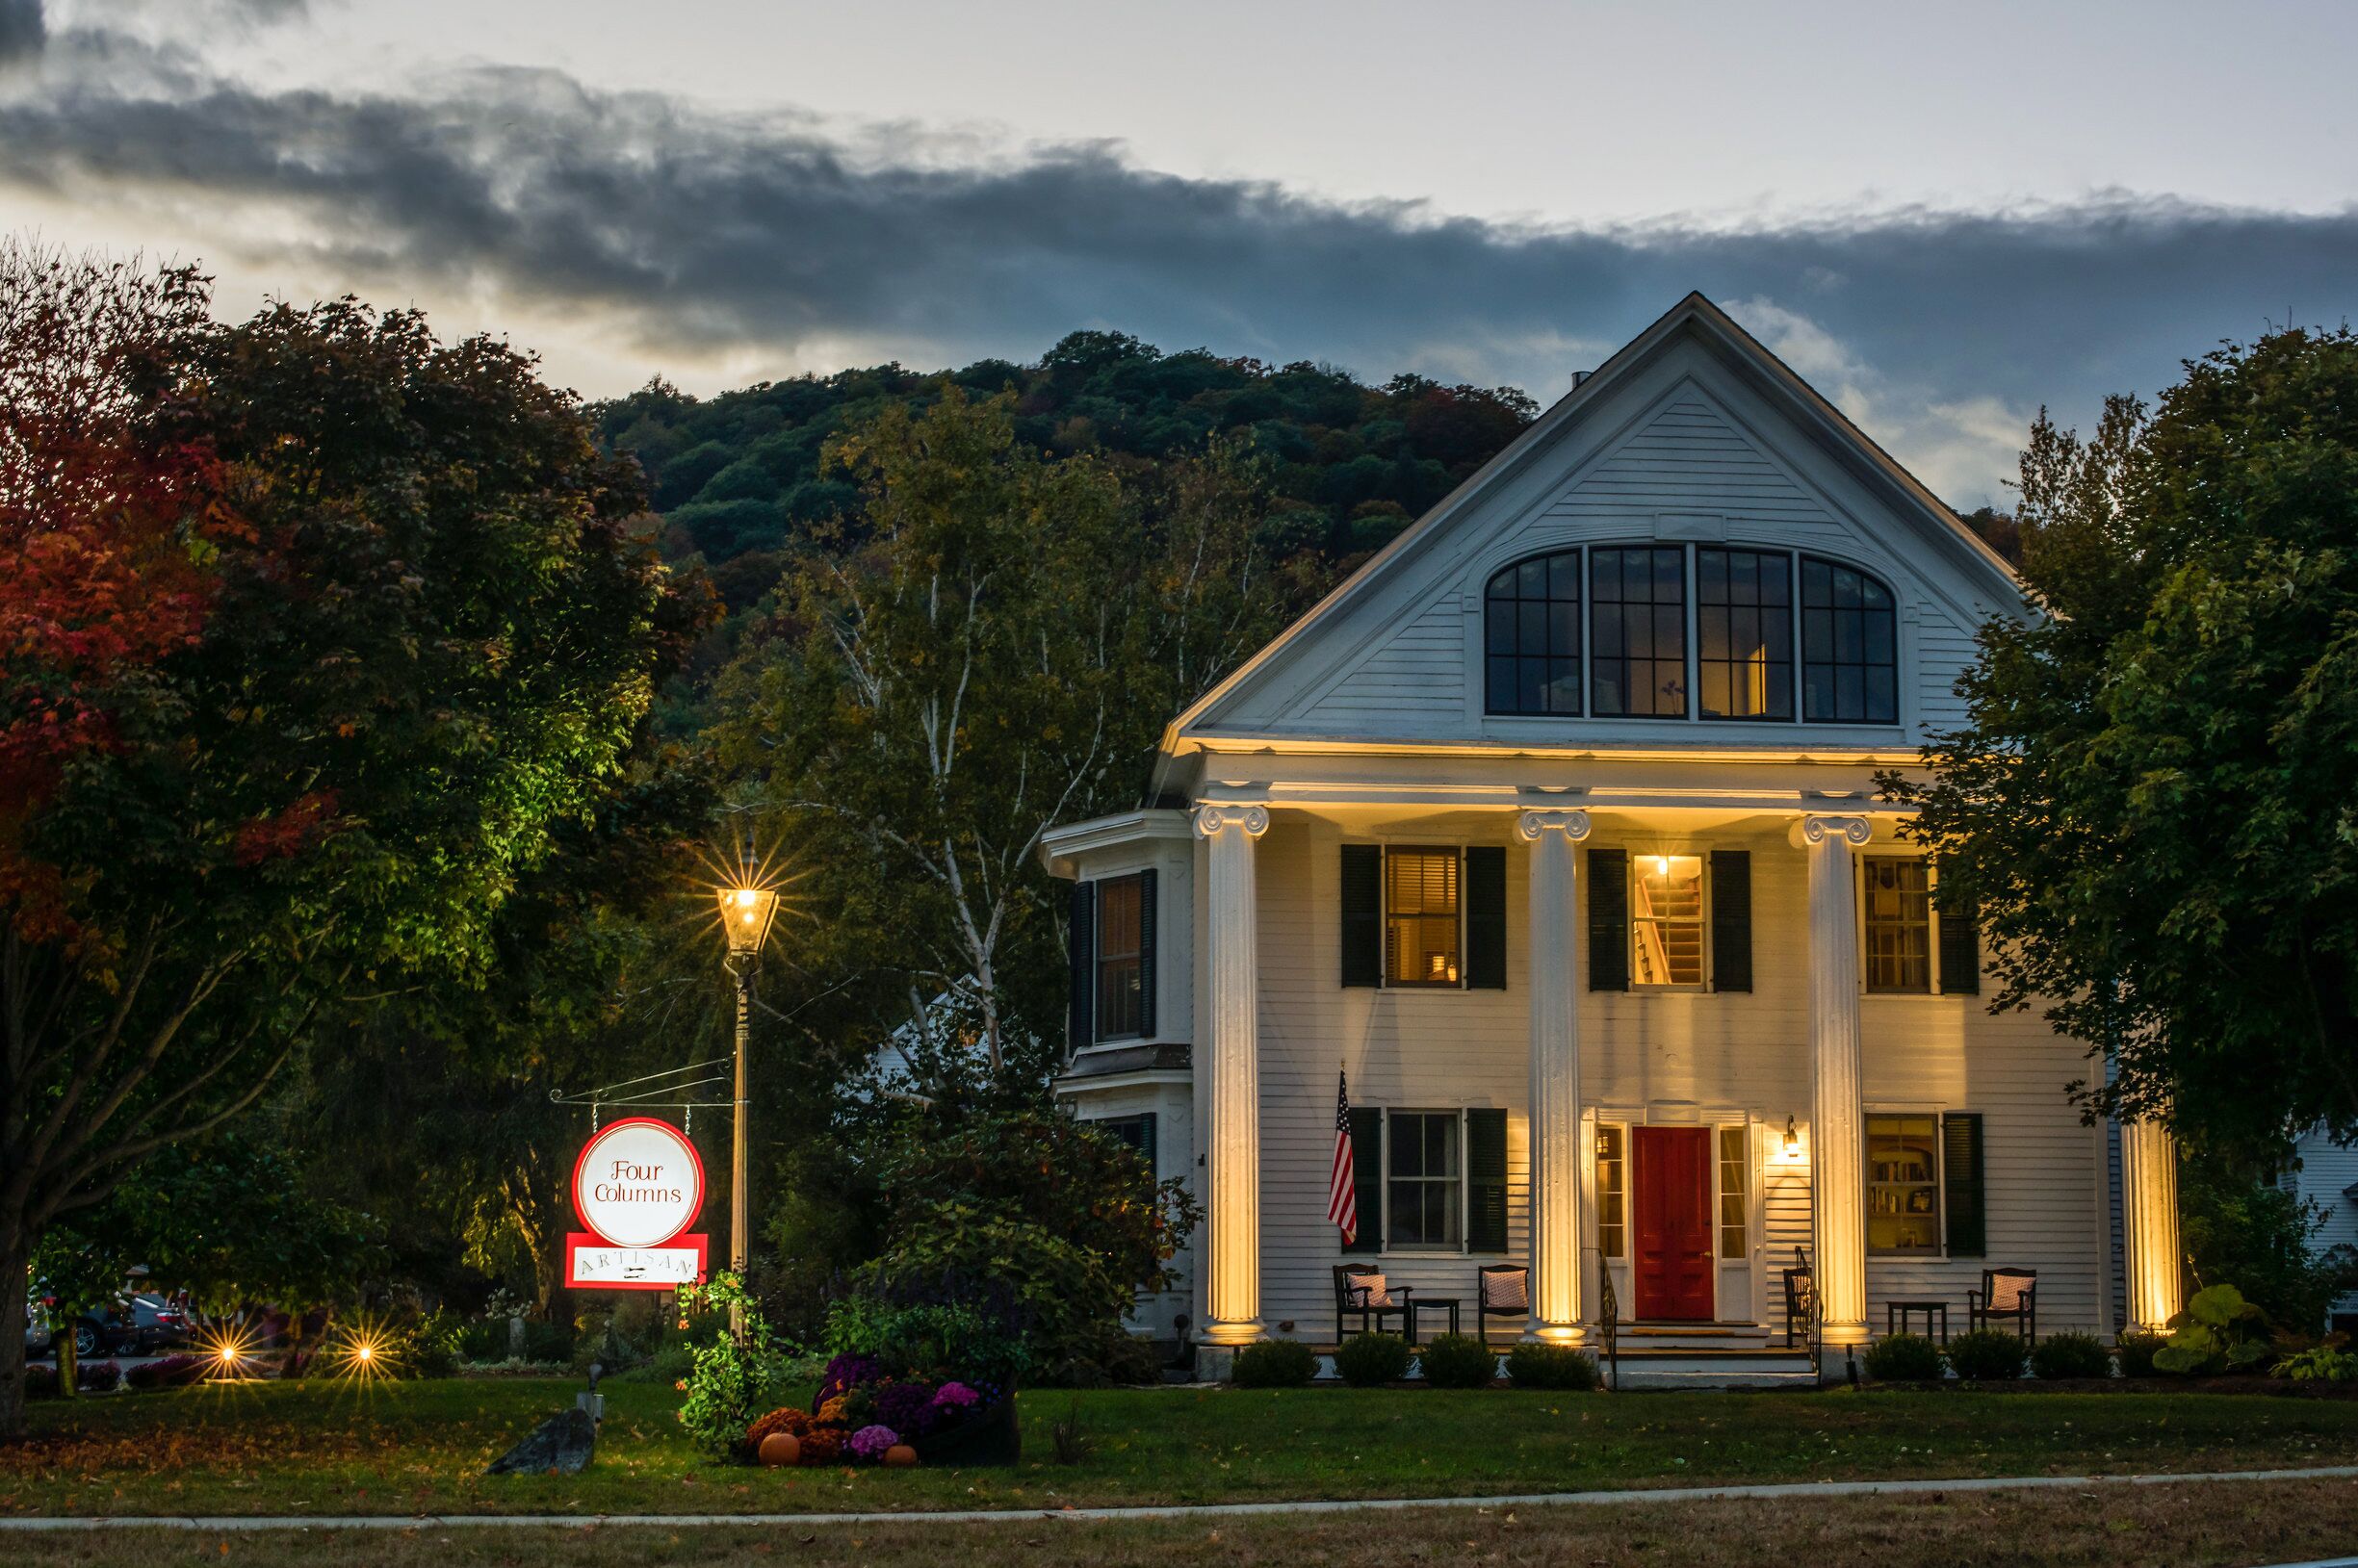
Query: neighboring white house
[
  {"x": 2327, "y": 1175},
  {"x": 1554, "y": 828}
]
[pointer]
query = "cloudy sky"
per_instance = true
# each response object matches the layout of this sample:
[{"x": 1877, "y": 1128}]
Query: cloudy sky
[{"x": 1944, "y": 217}]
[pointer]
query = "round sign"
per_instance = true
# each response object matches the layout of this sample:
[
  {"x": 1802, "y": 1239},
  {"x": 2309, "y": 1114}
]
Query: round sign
[{"x": 638, "y": 1182}]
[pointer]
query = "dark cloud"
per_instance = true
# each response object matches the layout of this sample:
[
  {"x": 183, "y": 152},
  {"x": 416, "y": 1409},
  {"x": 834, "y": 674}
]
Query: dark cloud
[
  {"x": 22, "y": 31},
  {"x": 686, "y": 231}
]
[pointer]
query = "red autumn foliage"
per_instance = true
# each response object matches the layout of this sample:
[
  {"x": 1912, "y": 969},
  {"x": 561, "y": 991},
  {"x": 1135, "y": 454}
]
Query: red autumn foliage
[{"x": 108, "y": 516}]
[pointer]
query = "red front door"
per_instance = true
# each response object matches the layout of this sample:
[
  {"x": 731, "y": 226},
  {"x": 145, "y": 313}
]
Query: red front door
[{"x": 1672, "y": 1194}]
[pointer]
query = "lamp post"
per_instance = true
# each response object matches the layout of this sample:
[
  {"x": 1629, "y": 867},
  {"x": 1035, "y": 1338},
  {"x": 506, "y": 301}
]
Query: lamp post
[{"x": 746, "y": 914}]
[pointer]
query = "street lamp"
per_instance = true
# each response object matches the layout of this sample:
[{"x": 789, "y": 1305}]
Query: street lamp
[{"x": 745, "y": 914}]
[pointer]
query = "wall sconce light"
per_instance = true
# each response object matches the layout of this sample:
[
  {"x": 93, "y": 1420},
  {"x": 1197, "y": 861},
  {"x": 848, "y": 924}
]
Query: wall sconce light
[{"x": 1793, "y": 1139}]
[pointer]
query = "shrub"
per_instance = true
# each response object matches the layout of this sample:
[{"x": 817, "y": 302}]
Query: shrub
[
  {"x": 1458, "y": 1361},
  {"x": 97, "y": 1376},
  {"x": 41, "y": 1382},
  {"x": 1903, "y": 1358},
  {"x": 1987, "y": 1354},
  {"x": 2070, "y": 1355},
  {"x": 730, "y": 1383},
  {"x": 1551, "y": 1366},
  {"x": 2321, "y": 1364},
  {"x": 1370, "y": 1361},
  {"x": 2218, "y": 1331},
  {"x": 1274, "y": 1363},
  {"x": 171, "y": 1372},
  {"x": 2137, "y": 1353}
]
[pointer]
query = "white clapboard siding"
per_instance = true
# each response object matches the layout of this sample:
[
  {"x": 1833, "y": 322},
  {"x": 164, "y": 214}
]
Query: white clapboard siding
[
  {"x": 1419, "y": 675},
  {"x": 2327, "y": 1170},
  {"x": 1666, "y": 1058}
]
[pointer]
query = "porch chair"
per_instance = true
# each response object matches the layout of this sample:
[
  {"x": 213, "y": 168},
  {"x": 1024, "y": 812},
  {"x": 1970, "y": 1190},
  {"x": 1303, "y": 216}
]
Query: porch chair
[
  {"x": 1361, "y": 1289},
  {"x": 1801, "y": 1296},
  {"x": 2009, "y": 1294},
  {"x": 1502, "y": 1290}
]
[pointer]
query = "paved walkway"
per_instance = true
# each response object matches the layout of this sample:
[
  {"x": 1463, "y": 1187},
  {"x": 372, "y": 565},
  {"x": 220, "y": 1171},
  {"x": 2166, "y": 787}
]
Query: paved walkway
[{"x": 1176, "y": 1510}]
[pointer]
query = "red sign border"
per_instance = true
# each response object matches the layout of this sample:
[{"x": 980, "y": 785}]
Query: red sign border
[
  {"x": 573, "y": 1190},
  {"x": 576, "y": 1240}
]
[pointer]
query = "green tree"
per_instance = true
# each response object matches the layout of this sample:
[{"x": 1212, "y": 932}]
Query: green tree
[
  {"x": 2152, "y": 802},
  {"x": 431, "y": 635},
  {"x": 993, "y": 656}
]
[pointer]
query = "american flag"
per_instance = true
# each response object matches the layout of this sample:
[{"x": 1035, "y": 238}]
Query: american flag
[{"x": 1342, "y": 1198}]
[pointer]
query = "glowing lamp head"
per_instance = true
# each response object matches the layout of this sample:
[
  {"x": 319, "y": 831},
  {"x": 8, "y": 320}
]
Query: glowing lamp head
[
  {"x": 746, "y": 914},
  {"x": 1793, "y": 1139}
]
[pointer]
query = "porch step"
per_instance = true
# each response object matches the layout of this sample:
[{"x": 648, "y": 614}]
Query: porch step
[{"x": 1783, "y": 1370}]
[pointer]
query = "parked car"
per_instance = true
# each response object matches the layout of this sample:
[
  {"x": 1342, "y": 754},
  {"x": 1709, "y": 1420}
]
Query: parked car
[{"x": 140, "y": 1324}]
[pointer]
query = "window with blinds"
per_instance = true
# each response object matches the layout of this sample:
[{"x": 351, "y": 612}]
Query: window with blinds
[
  {"x": 1121, "y": 957},
  {"x": 1421, "y": 925}
]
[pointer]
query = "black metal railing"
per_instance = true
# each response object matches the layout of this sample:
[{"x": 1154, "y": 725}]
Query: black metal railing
[{"x": 1608, "y": 1322}]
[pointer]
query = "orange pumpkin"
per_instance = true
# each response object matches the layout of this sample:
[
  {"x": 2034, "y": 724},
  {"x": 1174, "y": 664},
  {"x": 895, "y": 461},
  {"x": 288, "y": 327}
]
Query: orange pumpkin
[
  {"x": 781, "y": 1449},
  {"x": 901, "y": 1455}
]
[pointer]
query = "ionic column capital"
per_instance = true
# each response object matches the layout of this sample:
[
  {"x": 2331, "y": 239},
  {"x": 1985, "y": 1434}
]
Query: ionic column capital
[
  {"x": 1212, "y": 816},
  {"x": 1537, "y": 825},
  {"x": 1818, "y": 827}
]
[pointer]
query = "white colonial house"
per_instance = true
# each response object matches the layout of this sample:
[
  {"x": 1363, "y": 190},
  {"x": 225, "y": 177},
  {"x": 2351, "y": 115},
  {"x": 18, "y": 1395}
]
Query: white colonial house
[
  {"x": 1554, "y": 829},
  {"x": 2326, "y": 1174}
]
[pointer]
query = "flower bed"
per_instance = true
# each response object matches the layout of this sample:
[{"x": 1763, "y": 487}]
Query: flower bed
[{"x": 862, "y": 1414}]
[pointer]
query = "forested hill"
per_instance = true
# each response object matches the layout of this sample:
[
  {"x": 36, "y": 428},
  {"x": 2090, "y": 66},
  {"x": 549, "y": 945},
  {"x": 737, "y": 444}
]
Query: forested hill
[{"x": 738, "y": 478}]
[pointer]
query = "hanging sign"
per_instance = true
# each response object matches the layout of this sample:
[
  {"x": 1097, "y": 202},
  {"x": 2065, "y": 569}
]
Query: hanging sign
[{"x": 637, "y": 1184}]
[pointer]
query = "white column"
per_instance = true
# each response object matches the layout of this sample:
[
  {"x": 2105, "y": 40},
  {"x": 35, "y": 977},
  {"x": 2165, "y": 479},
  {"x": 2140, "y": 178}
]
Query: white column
[
  {"x": 1837, "y": 1133},
  {"x": 2150, "y": 1249},
  {"x": 1555, "y": 1074},
  {"x": 1232, "y": 1072}
]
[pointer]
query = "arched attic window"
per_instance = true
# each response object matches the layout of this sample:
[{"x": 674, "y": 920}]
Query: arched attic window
[
  {"x": 1530, "y": 620},
  {"x": 1849, "y": 646}
]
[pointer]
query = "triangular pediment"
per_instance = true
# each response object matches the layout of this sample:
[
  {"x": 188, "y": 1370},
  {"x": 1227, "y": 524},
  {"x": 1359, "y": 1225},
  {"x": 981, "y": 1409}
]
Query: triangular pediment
[{"x": 1692, "y": 432}]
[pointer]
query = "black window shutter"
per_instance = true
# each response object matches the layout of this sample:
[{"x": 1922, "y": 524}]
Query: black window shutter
[
  {"x": 1080, "y": 948},
  {"x": 1961, "y": 949},
  {"x": 1961, "y": 1185},
  {"x": 1148, "y": 1144},
  {"x": 1608, "y": 919},
  {"x": 1362, "y": 899},
  {"x": 1732, "y": 919},
  {"x": 1485, "y": 1174},
  {"x": 1146, "y": 953},
  {"x": 1485, "y": 917},
  {"x": 1367, "y": 1178}
]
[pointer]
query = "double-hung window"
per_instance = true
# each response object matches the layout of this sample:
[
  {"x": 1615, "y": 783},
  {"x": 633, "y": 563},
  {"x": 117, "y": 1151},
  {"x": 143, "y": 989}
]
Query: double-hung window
[
  {"x": 1665, "y": 919},
  {"x": 1897, "y": 920},
  {"x": 1423, "y": 1202},
  {"x": 1903, "y": 1184}
]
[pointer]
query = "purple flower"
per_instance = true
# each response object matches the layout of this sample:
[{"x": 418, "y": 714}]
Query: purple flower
[
  {"x": 908, "y": 1408},
  {"x": 843, "y": 1373},
  {"x": 869, "y": 1442},
  {"x": 955, "y": 1397}
]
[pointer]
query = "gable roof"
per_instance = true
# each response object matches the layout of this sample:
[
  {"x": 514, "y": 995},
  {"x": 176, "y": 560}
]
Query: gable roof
[{"x": 1693, "y": 317}]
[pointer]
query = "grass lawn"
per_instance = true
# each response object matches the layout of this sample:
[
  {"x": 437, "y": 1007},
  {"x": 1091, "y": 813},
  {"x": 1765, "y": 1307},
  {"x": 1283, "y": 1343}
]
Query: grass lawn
[
  {"x": 324, "y": 1447},
  {"x": 2185, "y": 1527}
]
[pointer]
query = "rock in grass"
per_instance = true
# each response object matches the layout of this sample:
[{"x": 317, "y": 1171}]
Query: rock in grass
[{"x": 560, "y": 1445}]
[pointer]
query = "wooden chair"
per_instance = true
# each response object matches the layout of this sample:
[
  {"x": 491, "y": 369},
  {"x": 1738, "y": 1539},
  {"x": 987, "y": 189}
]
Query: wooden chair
[
  {"x": 1362, "y": 1287},
  {"x": 1502, "y": 1290},
  {"x": 1801, "y": 1296},
  {"x": 2006, "y": 1293}
]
